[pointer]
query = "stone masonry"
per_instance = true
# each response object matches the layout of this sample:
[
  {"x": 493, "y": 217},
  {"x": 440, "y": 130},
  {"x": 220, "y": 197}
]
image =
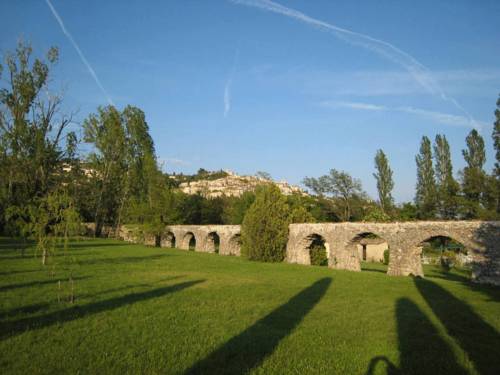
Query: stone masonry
[{"x": 481, "y": 238}]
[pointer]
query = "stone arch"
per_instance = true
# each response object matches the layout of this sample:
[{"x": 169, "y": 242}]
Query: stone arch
[
  {"x": 234, "y": 245},
  {"x": 314, "y": 242},
  {"x": 363, "y": 246},
  {"x": 189, "y": 241},
  {"x": 212, "y": 242},
  {"x": 424, "y": 235},
  {"x": 168, "y": 240},
  {"x": 439, "y": 245},
  {"x": 370, "y": 246}
]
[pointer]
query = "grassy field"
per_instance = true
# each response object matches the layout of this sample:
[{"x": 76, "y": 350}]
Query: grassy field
[{"x": 144, "y": 310}]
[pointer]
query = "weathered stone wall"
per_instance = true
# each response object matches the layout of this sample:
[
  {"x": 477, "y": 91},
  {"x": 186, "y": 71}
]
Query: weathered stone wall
[
  {"x": 204, "y": 237},
  {"x": 482, "y": 240}
]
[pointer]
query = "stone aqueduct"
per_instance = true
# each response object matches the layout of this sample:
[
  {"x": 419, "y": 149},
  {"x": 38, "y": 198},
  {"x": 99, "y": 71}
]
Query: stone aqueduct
[{"x": 482, "y": 240}]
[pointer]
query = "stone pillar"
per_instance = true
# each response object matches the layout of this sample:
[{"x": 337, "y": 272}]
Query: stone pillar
[
  {"x": 345, "y": 258},
  {"x": 404, "y": 260}
]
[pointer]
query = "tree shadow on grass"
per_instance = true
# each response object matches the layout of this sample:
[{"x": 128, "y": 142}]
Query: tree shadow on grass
[
  {"x": 14, "y": 328},
  {"x": 120, "y": 259},
  {"x": 7, "y": 273},
  {"x": 127, "y": 287},
  {"x": 493, "y": 292},
  {"x": 476, "y": 337},
  {"x": 36, "y": 283},
  {"x": 421, "y": 348},
  {"x": 246, "y": 351},
  {"x": 92, "y": 245},
  {"x": 373, "y": 270},
  {"x": 30, "y": 309}
]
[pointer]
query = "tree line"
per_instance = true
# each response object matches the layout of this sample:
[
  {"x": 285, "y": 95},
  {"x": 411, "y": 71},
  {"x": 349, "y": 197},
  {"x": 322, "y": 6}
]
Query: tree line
[
  {"x": 48, "y": 186},
  {"x": 439, "y": 195}
]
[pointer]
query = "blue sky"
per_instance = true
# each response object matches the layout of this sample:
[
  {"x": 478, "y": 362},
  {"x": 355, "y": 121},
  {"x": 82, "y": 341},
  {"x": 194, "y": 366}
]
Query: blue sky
[{"x": 254, "y": 85}]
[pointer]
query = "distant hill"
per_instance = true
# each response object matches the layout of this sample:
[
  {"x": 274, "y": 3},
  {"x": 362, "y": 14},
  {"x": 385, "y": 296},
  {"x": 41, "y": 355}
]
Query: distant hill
[{"x": 216, "y": 184}]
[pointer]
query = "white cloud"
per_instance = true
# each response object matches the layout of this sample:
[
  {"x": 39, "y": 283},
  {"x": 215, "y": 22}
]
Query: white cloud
[
  {"x": 79, "y": 51},
  {"x": 438, "y": 117}
]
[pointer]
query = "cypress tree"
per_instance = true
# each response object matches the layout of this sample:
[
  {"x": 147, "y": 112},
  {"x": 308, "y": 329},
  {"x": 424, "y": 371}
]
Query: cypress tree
[
  {"x": 496, "y": 144},
  {"x": 385, "y": 183},
  {"x": 264, "y": 232},
  {"x": 496, "y": 139},
  {"x": 426, "y": 196},
  {"x": 447, "y": 187}
]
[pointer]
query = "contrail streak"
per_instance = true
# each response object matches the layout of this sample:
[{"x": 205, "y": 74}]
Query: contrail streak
[
  {"x": 227, "y": 87},
  {"x": 417, "y": 70},
  {"x": 440, "y": 117},
  {"x": 227, "y": 98},
  {"x": 79, "y": 51}
]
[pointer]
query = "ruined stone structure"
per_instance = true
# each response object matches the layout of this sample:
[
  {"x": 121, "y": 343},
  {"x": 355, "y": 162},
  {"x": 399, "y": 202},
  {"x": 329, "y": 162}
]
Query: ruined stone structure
[
  {"x": 482, "y": 239},
  {"x": 341, "y": 240},
  {"x": 223, "y": 239},
  {"x": 372, "y": 249}
]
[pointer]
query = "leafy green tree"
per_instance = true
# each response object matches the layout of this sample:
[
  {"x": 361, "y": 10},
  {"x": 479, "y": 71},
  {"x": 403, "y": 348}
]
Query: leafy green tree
[
  {"x": 426, "y": 195},
  {"x": 340, "y": 185},
  {"x": 236, "y": 207},
  {"x": 55, "y": 219},
  {"x": 407, "y": 212},
  {"x": 32, "y": 134},
  {"x": 108, "y": 162},
  {"x": 377, "y": 215},
  {"x": 212, "y": 210},
  {"x": 447, "y": 187},
  {"x": 264, "y": 231},
  {"x": 474, "y": 178},
  {"x": 301, "y": 215},
  {"x": 385, "y": 183},
  {"x": 124, "y": 163}
]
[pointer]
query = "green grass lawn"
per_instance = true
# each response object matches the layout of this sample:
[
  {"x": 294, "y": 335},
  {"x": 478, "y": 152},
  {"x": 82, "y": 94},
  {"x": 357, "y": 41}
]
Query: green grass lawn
[{"x": 145, "y": 310}]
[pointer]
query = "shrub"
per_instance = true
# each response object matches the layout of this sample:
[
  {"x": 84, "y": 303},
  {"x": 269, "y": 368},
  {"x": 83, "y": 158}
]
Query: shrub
[
  {"x": 318, "y": 256},
  {"x": 448, "y": 260},
  {"x": 264, "y": 232},
  {"x": 301, "y": 215},
  {"x": 376, "y": 215},
  {"x": 386, "y": 256}
]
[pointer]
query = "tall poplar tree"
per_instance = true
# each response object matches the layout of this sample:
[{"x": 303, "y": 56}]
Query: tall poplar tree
[
  {"x": 426, "y": 195},
  {"x": 473, "y": 175},
  {"x": 496, "y": 144},
  {"x": 447, "y": 187},
  {"x": 385, "y": 183}
]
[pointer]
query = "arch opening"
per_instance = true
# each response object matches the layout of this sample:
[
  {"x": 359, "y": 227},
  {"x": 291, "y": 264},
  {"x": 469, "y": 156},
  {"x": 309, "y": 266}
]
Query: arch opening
[
  {"x": 213, "y": 243},
  {"x": 370, "y": 249},
  {"x": 234, "y": 247},
  {"x": 189, "y": 241},
  {"x": 445, "y": 252},
  {"x": 168, "y": 240},
  {"x": 317, "y": 249}
]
